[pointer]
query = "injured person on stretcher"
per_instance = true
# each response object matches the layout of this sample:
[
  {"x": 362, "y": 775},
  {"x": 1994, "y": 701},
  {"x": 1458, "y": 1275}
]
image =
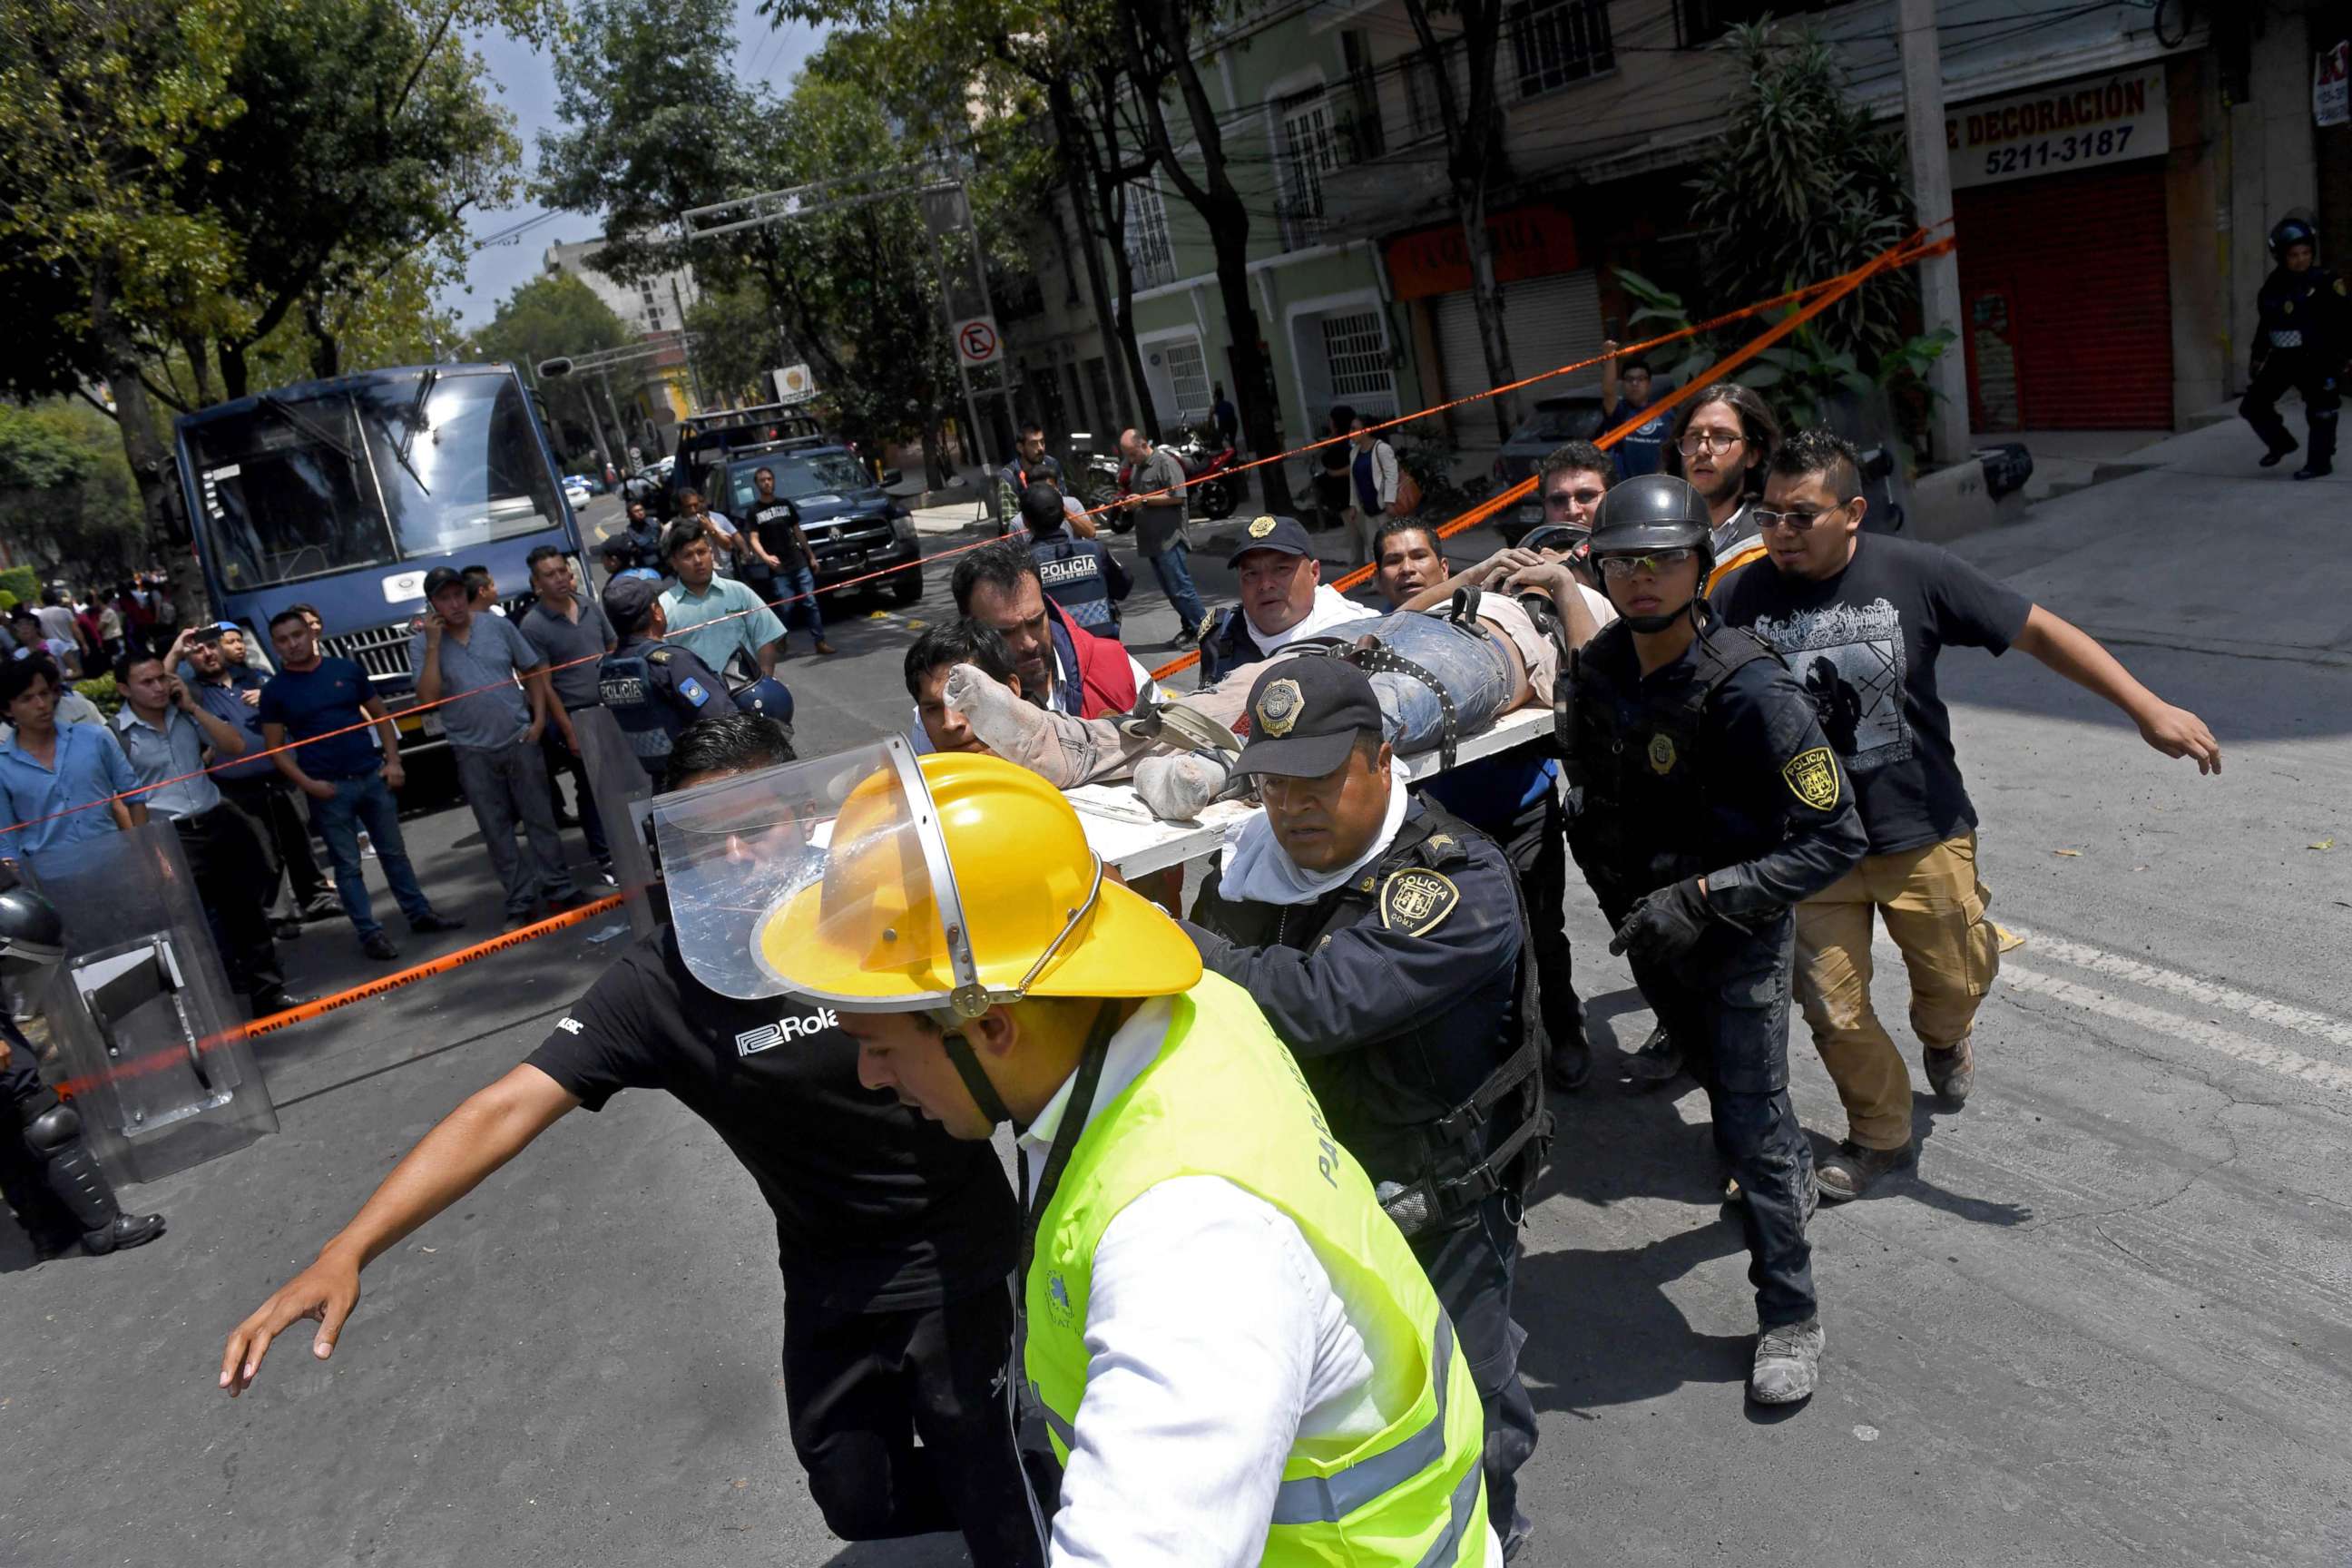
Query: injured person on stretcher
[{"x": 1441, "y": 674}]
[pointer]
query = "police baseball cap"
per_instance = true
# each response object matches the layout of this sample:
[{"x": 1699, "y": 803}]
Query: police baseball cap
[
  {"x": 1284, "y": 536},
  {"x": 628, "y": 600},
  {"x": 1305, "y": 715},
  {"x": 441, "y": 577}
]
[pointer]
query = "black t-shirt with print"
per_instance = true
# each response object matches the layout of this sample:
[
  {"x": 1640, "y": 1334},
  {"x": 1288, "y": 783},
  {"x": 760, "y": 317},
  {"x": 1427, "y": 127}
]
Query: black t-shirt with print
[
  {"x": 777, "y": 524},
  {"x": 1863, "y": 644},
  {"x": 876, "y": 1209}
]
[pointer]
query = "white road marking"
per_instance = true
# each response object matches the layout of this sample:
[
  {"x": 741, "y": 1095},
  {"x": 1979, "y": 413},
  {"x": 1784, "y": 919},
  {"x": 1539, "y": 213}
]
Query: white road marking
[
  {"x": 2207, "y": 993},
  {"x": 2200, "y": 1032}
]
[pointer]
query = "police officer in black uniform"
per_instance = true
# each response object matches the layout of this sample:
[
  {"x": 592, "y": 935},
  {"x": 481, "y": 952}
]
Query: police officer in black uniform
[
  {"x": 1383, "y": 939},
  {"x": 641, "y": 538},
  {"x": 2303, "y": 340},
  {"x": 653, "y": 688},
  {"x": 1079, "y": 575},
  {"x": 46, "y": 1171},
  {"x": 1712, "y": 803}
]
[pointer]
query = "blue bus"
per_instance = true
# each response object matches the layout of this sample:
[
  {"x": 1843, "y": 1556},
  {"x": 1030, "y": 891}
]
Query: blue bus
[{"x": 343, "y": 494}]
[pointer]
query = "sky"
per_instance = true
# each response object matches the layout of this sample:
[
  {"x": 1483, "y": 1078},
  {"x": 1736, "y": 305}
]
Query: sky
[{"x": 526, "y": 82}]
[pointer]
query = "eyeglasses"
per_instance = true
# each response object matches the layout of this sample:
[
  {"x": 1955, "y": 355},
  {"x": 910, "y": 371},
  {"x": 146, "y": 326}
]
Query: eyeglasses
[
  {"x": 1798, "y": 522},
  {"x": 1655, "y": 561},
  {"x": 1565, "y": 498},
  {"x": 1709, "y": 441}
]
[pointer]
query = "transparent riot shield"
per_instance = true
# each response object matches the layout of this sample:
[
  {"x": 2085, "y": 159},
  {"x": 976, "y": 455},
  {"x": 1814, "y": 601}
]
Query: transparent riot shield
[
  {"x": 142, "y": 1013},
  {"x": 619, "y": 781}
]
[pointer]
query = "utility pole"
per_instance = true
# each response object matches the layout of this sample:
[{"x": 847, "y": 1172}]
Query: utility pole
[
  {"x": 1931, "y": 194},
  {"x": 693, "y": 378}
]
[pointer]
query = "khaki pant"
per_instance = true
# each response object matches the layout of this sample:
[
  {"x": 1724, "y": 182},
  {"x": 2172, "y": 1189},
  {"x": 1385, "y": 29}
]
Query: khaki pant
[{"x": 1933, "y": 907}]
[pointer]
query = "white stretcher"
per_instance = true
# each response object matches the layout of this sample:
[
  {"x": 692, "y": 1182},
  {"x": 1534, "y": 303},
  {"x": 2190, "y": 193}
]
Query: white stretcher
[{"x": 1123, "y": 831}]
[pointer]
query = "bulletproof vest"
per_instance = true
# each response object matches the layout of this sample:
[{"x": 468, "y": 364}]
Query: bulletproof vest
[
  {"x": 634, "y": 685},
  {"x": 1227, "y": 645},
  {"x": 2299, "y": 309},
  {"x": 1071, "y": 573},
  {"x": 1657, "y": 808},
  {"x": 1448, "y": 1152}
]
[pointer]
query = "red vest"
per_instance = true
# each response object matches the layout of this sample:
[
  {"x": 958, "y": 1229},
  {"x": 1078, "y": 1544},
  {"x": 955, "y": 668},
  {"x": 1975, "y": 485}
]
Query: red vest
[{"x": 1106, "y": 678}]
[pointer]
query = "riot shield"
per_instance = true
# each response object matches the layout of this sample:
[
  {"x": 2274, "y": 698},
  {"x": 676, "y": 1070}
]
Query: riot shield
[
  {"x": 142, "y": 1013},
  {"x": 618, "y": 781}
]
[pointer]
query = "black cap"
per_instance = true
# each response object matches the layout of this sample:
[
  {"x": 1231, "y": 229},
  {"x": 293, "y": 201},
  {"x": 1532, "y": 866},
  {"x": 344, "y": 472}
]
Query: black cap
[
  {"x": 628, "y": 600},
  {"x": 1286, "y": 535},
  {"x": 1303, "y": 715},
  {"x": 440, "y": 577}
]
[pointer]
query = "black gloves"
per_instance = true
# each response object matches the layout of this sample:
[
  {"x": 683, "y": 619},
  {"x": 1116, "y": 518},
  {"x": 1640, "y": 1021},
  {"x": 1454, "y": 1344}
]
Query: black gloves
[{"x": 1665, "y": 925}]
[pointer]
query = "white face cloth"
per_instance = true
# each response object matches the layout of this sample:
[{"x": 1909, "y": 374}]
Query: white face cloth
[
  {"x": 1253, "y": 865},
  {"x": 1329, "y": 608}
]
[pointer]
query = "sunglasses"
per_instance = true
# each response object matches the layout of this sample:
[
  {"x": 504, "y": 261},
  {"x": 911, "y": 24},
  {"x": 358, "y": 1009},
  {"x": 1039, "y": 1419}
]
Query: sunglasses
[
  {"x": 1655, "y": 561},
  {"x": 1798, "y": 522},
  {"x": 1564, "y": 499}
]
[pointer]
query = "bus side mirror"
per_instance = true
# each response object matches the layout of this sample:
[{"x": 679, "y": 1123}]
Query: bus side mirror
[{"x": 560, "y": 365}]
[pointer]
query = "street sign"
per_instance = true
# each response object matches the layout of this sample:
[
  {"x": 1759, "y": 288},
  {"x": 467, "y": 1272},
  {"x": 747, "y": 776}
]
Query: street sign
[
  {"x": 976, "y": 341},
  {"x": 794, "y": 384}
]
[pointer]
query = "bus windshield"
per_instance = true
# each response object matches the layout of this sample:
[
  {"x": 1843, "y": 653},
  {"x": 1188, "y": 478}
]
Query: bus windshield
[{"x": 377, "y": 470}]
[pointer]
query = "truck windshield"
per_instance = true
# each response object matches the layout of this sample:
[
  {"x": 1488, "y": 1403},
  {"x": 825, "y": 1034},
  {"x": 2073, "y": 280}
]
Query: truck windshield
[
  {"x": 377, "y": 470},
  {"x": 835, "y": 474}
]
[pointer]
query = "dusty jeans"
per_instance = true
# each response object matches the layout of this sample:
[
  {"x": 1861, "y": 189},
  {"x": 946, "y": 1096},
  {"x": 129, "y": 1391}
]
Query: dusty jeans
[
  {"x": 1933, "y": 907},
  {"x": 507, "y": 785}
]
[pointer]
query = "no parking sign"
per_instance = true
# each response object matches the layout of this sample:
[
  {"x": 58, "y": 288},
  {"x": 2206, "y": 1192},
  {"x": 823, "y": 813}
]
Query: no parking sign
[{"x": 976, "y": 341}]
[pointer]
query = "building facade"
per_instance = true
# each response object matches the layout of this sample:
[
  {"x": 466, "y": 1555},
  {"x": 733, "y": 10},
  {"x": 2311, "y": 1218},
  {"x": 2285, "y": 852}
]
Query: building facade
[
  {"x": 2116, "y": 170},
  {"x": 662, "y": 392}
]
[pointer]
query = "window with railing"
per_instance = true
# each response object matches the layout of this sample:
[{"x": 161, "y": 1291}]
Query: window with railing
[
  {"x": 1554, "y": 43},
  {"x": 1698, "y": 23},
  {"x": 1150, "y": 255},
  {"x": 1188, "y": 377},
  {"x": 1424, "y": 106},
  {"x": 1309, "y": 152},
  {"x": 1356, "y": 349}
]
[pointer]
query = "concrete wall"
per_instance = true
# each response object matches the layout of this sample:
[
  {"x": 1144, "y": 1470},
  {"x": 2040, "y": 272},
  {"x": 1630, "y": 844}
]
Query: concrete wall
[{"x": 2266, "y": 159}]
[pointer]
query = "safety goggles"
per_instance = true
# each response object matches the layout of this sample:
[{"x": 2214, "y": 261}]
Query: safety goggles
[{"x": 1653, "y": 563}]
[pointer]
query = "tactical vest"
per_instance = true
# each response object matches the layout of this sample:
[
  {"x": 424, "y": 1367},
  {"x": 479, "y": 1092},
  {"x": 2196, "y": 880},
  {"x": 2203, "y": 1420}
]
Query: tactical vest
[
  {"x": 2300, "y": 310},
  {"x": 1656, "y": 809},
  {"x": 1222, "y": 1097},
  {"x": 1071, "y": 573},
  {"x": 1447, "y": 1157},
  {"x": 626, "y": 681}
]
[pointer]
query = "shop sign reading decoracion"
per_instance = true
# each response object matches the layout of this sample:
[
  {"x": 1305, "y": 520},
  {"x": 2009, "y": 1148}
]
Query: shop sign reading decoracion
[
  {"x": 2049, "y": 130},
  {"x": 2331, "y": 86},
  {"x": 1534, "y": 241}
]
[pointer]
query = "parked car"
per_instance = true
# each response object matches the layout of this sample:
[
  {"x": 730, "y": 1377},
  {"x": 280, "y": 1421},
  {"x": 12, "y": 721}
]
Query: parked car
[
  {"x": 577, "y": 490},
  {"x": 853, "y": 526},
  {"x": 1572, "y": 415}
]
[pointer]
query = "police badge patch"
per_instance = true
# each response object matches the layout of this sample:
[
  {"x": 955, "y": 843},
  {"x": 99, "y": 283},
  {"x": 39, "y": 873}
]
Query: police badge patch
[
  {"x": 1812, "y": 777},
  {"x": 1278, "y": 711},
  {"x": 1416, "y": 902},
  {"x": 1662, "y": 753},
  {"x": 1261, "y": 528}
]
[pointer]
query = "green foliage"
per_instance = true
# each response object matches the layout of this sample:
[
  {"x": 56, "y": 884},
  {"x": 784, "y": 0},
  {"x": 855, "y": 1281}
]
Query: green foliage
[
  {"x": 65, "y": 495},
  {"x": 22, "y": 582},
  {"x": 101, "y": 694},
  {"x": 735, "y": 342},
  {"x": 1801, "y": 184}
]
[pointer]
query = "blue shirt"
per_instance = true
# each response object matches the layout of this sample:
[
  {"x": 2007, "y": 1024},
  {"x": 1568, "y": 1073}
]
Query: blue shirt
[
  {"x": 226, "y": 702},
  {"x": 489, "y": 710},
  {"x": 695, "y": 622},
  {"x": 1488, "y": 793},
  {"x": 88, "y": 766},
  {"x": 314, "y": 701},
  {"x": 1643, "y": 449},
  {"x": 175, "y": 751}
]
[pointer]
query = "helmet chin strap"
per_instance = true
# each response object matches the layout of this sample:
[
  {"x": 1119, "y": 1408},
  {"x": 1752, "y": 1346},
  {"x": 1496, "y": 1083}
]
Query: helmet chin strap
[
  {"x": 975, "y": 1081},
  {"x": 1660, "y": 623}
]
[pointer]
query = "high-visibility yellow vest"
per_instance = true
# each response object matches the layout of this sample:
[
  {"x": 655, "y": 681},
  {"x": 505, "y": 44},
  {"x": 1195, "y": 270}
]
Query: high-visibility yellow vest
[{"x": 1222, "y": 1097}]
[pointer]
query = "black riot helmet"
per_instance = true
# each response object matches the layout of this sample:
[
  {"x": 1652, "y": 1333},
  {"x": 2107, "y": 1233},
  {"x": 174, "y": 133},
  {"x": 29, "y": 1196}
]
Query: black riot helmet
[
  {"x": 1644, "y": 515},
  {"x": 32, "y": 937},
  {"x": 2293, "y": 231}
]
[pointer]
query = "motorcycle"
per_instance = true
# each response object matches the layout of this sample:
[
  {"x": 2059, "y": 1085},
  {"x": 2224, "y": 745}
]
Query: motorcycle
[{"x": 1212, "y": 489}]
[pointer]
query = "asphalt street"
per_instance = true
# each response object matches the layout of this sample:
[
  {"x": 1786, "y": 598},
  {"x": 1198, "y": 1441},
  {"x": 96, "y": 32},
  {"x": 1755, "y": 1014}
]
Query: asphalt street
[{"x": 2109, "y": 1321}]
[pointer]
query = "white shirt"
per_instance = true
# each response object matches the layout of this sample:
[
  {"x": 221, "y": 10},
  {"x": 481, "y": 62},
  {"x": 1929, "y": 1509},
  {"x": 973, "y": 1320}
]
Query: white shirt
[
  {"x": 1214, "y": 1338},
  {"x": 1328, "y": 608}
]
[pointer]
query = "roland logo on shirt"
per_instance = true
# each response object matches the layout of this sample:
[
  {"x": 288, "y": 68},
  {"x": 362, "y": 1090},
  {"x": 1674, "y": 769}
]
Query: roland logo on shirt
[{"x": 767, "y": 1036}]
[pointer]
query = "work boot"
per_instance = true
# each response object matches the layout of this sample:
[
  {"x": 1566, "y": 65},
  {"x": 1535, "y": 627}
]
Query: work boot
[
  {"x": 1569, "y": 1065},
  {"x": 2314, "y": 469},
  {"x": 1951, "y": 1073},
  {"x": 824, "y": 646},
  {"x": 376, "y": 944},
  {"x": 127, "y": 1231},
  {"x": 1787, "y": 1363},
  {"x": 2280, "y": 446},
  {"x": 1659, "y": 1060},
  {"x": 1847, "y": 1174}
]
